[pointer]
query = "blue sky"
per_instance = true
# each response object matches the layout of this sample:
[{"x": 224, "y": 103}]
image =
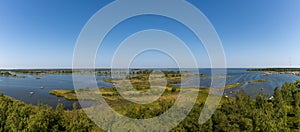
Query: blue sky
[{"x": 254, "y": 33}]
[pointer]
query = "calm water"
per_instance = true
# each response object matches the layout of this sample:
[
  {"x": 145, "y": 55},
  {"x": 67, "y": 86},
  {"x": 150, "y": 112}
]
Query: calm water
[
  {"x": 241, "y": 75},
  {"x": 19, "y": 88}
]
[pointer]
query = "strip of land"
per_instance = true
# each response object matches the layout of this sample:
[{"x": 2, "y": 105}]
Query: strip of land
[
  {"x": 9, "y": 74},
  {"x": 258, "y": 81},
  {"x": 112, "y": 93},
  {"x": 271, "y": 71}
]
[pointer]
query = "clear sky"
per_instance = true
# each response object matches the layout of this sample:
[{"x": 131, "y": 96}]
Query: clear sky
[{"x": 254, "y": 33}]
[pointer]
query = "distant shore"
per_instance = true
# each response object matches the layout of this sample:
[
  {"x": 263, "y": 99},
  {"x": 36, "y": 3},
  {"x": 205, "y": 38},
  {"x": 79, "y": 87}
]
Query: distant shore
[{"x": 271, "y": 71}]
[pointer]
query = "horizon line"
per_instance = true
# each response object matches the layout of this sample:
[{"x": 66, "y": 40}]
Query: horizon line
[{"x": 68, "y": 68}]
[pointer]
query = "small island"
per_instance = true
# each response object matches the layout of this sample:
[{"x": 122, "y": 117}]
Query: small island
[
  {"x": 216, "y": 77},
  {"x": 5, "y": 74},
  {"x": 270, "y": 71},
  {"x": 139, "y": 80},
  {"x": 235, "y": 85},
  {"x": 112, "y": 93},
  {"x": 67, "y": 94},
  {"x": 258, "y": 81},
  {"x": 9, "y": 74}
]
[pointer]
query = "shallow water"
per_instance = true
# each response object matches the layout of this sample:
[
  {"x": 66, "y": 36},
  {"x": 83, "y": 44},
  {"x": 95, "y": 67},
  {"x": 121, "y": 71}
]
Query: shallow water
[
  {"x": 19, "y": 88},
  {"x": 241, "y": 75}
]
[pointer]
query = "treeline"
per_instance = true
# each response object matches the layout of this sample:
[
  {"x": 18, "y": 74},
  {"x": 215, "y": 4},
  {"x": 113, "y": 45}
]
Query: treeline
[
  {"x": 45, "y": 71},
  {"x": 280, "y": 113},
  {"x": 5, "y": 73},
  {"x": 16, "y": 116},
  {"x": 8, "y": 74}
]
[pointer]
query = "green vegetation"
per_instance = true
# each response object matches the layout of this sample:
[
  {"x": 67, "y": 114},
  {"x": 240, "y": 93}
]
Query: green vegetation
[
  {"x": 16, "y": 116},
  {"x": 71, "y": 94},
  {"x": 43, "y": 71},
  {"x": 109, "y": 80},
  {"x": 257, "y": 81},
  {"x": 5, "y": 74},
  {"x": 240, "y": 114},
  {"x": 282, "y": 113},
  {"x": 8, "y": 74},
  {"x": 112, "y": 93},
  {"x": 235, "y": 85},
  {"x": 68, "y": 94},
  {"x": 107, "y": 93},
  {"x": 140, "y": 79}
]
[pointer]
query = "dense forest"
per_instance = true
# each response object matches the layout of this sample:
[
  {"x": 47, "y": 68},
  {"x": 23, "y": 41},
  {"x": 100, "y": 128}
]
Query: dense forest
[
  {"x": 16, "y": 116},
  {"x": 280, "y": 113}
]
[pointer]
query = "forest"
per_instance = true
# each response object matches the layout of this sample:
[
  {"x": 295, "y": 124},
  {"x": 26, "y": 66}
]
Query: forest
[{"x": 242, "y": 113}]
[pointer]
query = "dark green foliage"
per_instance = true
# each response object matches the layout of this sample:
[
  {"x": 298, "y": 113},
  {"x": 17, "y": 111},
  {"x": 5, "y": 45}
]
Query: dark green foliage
[
  {"x": 5, "y": 73},
  {"x": 282, "y": 113},
  {"x": 16, "y": 116},
  {"x": 244, "y": 114},
  {"x": 174, "y": 89}
]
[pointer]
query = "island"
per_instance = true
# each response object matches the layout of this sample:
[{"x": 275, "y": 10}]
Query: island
[
  {"x": 112, "y": 93},
  {"x": 258, "y": 81},
  {"x": 9, "y": 74},
  {"x": 270, "y": 71}
]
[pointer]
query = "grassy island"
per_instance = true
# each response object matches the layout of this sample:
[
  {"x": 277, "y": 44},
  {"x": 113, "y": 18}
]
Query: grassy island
[
  {"x": 140, "y": 82},
  {"x": 217, "y": 77},
  {"x": 9, "y": 74},
  {"x": 67, "y": 94},
  {"x": 235, "y": 85},
  {"x": 111, "y": 93},
  {"x": 71, "y": 94},
  {"x": 6, "y": 74},
  {"x": 258, "y": 81}
]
